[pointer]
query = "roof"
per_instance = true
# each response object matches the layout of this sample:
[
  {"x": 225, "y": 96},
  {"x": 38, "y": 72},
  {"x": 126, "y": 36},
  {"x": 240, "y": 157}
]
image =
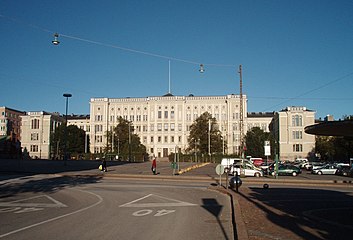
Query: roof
[{"x": 331, "y": 128}]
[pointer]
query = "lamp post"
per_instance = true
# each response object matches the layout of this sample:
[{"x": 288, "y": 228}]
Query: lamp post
[
  {"x": 129, "y": 141},
  {"x": 67, "y": 95}
]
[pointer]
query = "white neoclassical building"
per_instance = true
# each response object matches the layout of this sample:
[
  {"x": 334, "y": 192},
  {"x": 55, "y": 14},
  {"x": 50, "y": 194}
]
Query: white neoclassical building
[
  {"x": 36, "y": 130},
  {"x": 163, "y": 122},
  {"x": 288, "y": 127}
]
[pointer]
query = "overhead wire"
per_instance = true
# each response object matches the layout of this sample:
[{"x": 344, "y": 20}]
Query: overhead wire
[{"x": 169, "y": 58}]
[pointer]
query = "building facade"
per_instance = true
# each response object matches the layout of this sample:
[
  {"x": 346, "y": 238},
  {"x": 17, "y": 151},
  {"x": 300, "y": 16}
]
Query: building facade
[
  {"x": 37, "y": 128},
  {"x": 288, "y": 128},
  {"x": 261, "y": 120},
  {"x": 10, "y": 123},
  {"x": 163, "y": 123}
]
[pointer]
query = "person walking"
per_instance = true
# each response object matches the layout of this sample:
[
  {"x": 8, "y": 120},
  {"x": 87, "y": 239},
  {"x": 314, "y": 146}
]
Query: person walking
[
  {"x": 104, "y": 165},
  {"x": 154, "y": 166}
]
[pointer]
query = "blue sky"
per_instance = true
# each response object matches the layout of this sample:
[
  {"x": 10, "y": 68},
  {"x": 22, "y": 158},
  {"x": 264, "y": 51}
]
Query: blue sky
[{"x": 293, "y": 53}]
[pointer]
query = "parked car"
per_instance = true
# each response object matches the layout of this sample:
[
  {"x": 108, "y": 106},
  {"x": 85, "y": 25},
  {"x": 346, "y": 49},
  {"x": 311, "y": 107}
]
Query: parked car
[
  {"x": 315, "y": 165},
  {"x": 286, "y": 169},
  {"x": 326, "y": 169},
  {"x": 343, "y": 170},
  {"x": 248, "y": 170}
]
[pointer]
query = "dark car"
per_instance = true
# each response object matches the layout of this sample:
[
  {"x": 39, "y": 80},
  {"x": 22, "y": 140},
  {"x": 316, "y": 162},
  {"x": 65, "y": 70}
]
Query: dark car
[
  {"x": 287, "y": 169},
  {"x": 343, "y": 170}
]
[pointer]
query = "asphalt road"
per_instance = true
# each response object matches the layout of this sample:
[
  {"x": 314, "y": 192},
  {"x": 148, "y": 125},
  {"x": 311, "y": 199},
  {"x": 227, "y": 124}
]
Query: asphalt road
[{"x": 63, "y": 207}]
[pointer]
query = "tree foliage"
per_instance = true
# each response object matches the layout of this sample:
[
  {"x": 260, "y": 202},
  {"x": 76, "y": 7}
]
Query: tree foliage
[
  {"x": 203, "y": 127},
  {"x": 334, "y": 148},
  {"x": 75, "y": 139},
  {"x": 124, "y": 142},
  {"x": 254, "y": 141}
]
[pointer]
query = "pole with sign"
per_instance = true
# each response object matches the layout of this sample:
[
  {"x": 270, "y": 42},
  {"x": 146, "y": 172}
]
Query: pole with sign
[
  {"x": 267, "y": 147},
  {"x": 220, "y": 171}
]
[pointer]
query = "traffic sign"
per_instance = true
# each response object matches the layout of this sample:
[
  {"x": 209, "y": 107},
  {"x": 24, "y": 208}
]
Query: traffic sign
[{"x": 219, "y": 169}]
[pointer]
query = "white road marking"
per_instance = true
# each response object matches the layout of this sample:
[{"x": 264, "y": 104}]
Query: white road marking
[
  {"x": 100, "y": 200},
  {"x": 170, "y": 203},
  {"x": 24, "y": 203}
]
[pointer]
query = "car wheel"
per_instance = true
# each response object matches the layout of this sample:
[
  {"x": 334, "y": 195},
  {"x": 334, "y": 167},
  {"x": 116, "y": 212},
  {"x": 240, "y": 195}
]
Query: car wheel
[
  {"x": 294, "y": 174},
  {"x": 319, "y": 173},
  {"x": 257, "y": 174}
]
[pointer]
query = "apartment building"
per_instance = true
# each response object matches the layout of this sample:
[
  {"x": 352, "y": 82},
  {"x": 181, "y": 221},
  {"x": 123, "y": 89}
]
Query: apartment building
[
  {"x": 288, "y": 128},
  {"x": 163, "y": 122},
  {"x": 36, "y": 130},
  {"x": 10, "y": 123}
]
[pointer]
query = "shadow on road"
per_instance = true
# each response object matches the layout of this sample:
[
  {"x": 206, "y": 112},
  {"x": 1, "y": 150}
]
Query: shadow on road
[
  {"x": 47, "y": 185},
  {"x": 304, "y": 213},
  {"x": 212, "y": 206}
]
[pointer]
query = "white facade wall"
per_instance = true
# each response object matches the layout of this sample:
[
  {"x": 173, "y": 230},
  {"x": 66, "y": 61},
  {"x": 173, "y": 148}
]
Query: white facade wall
[
  {"x": 289, "y": 127},
  {"x": 163, "y": 123},
  {"x": 35, "y": 130}
]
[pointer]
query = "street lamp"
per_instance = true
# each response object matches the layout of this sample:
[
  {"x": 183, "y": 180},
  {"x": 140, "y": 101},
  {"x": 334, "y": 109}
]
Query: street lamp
[
  {"x": 56, "y": 41},
  {"x": 67, "y": 95}
]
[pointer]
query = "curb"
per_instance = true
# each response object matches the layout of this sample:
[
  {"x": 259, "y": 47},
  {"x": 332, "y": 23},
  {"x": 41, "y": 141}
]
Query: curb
[
  {"x": 239, "y": 228},
  {"x": 192, "y": 167}
]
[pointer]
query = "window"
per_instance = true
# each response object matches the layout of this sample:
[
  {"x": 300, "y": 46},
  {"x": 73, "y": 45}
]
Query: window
[
  {"x": 152, "y": 127},
  {"x": 180, "y": 127},
  {"x": 172, "y": 127},
  {"x": 165, "y": 114},
  {"x": 172, "y": 139},
  {"x": 166, "y": 127},
  {"x": 35, "y": 124},
  {"x": 34, "y": 136},
  {"x": 159, "y": 139},
  {"x": 297, "y": 120},
  {"x": 172, "y": 114},
  {"x": 297, "y": 147},
  {"x": 34, "y": 148},
  {"x": 152, "y": 140},
  {"x": 98, "y": 128},
  {"x": 159, "y": 127},
  {"x": 98, "y": 118},
  {"x": 165, "y": 139},
  {"x": 159, "y": 114},
  {"x": 297, "y": 135}
]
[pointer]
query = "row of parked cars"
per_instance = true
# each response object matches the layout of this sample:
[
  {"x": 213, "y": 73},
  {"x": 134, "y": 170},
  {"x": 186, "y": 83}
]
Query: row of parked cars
[{"x": 257, "y": 168}]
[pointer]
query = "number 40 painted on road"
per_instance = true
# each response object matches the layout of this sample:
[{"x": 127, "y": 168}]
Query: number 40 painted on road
[{"x": 145, "y": 212}]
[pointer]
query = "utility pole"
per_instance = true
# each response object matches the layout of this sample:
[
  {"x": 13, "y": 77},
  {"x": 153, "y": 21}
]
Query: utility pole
[{"x": 241, "y": 127}]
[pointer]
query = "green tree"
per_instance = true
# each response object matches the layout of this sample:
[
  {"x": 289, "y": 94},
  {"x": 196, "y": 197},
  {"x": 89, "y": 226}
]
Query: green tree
[
  {"x": 203, "y": 127},
  {"x": 254, "y": 141},
  {"x": 124, "y": 142},
  {"x": 75, "y": 139}
]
